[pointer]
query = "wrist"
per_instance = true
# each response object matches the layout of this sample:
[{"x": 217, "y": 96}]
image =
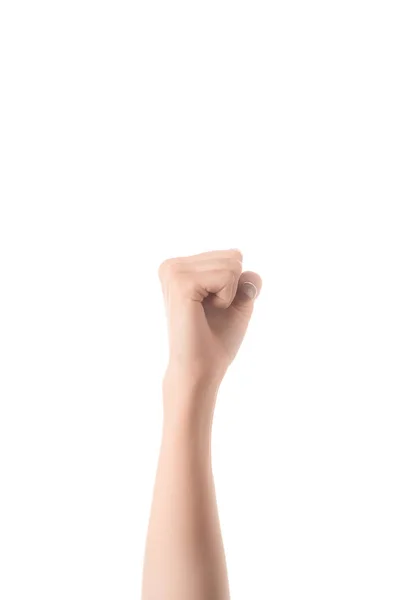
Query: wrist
[
  {"x": 189, "y": 403},
  {"x": 193, "y": 379}
]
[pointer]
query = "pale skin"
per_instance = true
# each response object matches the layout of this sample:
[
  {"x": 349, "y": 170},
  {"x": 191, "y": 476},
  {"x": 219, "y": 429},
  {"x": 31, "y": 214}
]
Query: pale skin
[{"x": 208, "y": 314}]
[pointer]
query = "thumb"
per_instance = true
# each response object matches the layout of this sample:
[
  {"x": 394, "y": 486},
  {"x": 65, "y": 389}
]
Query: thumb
[{"x": 248, "y": 289}]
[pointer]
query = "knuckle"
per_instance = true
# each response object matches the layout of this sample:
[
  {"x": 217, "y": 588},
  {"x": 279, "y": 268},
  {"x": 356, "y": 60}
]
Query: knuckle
[
  {"x": 236, "y": 265},
  {"x": 173, "y": 270},
  {"x": 237, "y": 254},
  {"x": 165, "y": 268}
]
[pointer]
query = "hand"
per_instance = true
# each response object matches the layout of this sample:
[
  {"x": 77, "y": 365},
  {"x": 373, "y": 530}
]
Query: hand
[{"x": 208, "y": 312}]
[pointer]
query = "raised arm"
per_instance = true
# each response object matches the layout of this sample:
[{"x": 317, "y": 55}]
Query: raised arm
[{"x": 208, "y": 313}]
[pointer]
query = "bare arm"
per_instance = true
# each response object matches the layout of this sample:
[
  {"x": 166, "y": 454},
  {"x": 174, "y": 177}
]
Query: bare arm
[{"x": 184, "y": 557}]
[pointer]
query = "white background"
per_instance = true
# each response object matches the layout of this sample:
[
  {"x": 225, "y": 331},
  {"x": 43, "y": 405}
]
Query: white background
[{"x": 135, "y": 131}]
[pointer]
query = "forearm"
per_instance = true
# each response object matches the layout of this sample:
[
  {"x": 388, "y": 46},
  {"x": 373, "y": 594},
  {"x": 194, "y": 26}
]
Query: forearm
[{"x": 184, "y": 551}]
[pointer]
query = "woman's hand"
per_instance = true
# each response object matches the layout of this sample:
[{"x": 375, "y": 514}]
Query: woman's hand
[{"x": 209, "y": 303}]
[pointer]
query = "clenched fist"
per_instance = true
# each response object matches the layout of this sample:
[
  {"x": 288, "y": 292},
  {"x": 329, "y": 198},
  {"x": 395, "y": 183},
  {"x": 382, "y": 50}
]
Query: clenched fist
[{"x": 209, "y": 303}]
